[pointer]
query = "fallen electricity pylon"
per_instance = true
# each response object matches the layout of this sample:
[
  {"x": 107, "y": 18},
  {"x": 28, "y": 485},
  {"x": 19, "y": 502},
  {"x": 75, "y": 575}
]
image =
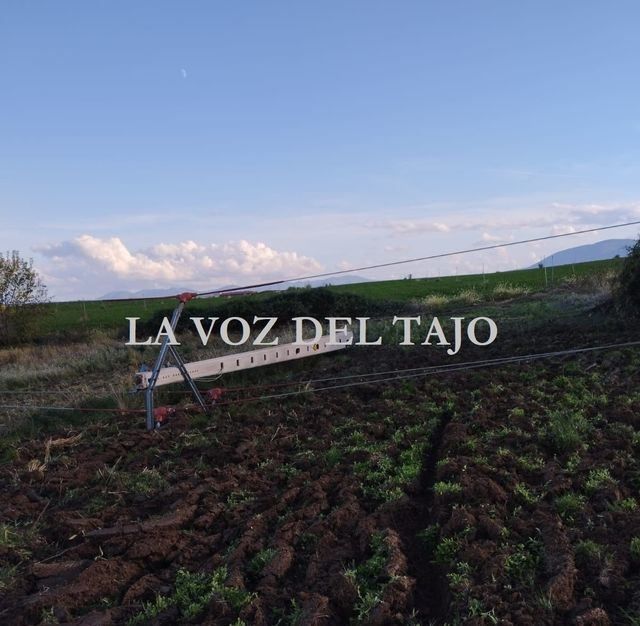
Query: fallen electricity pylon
[{"x": 161, "y": 374}]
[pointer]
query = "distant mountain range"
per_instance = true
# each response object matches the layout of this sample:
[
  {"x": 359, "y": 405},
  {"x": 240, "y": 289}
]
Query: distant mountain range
[
  {"x": 145, "y": 293},
  {"x": 172, "y": 291},
  {"x": 347, "y": 279},
  {"x": 599, "y": 251}
]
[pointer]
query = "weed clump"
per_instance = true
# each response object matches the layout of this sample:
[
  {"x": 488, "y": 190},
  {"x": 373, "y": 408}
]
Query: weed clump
[
  {"x": 569, "y": 506},
  {"x": 565, "y": 430},
  {"x": 598, "y": 478}
]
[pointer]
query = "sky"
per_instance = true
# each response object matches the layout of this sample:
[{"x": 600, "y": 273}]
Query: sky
[{"x": 159, "y": 144}]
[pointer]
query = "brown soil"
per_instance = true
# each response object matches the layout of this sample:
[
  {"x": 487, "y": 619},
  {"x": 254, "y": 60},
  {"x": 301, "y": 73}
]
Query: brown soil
[{"x": 113, "y": 516}]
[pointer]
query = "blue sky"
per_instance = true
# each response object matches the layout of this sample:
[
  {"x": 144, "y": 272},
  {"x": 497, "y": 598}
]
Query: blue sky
[{"x": 205, "y": 143}]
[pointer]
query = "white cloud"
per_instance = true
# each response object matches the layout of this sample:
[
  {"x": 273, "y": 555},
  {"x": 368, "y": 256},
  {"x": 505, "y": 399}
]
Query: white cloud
[
  {"x": 556, "y": 217},
  {"x": 488, "y": 238},
  {"x": 171, "y": 263},
  {"x": 563, "y": 229}
]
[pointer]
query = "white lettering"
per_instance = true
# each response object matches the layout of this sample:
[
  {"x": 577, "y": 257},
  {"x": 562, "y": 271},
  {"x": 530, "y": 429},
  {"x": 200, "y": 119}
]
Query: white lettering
[{"x": 259, "y": 340}]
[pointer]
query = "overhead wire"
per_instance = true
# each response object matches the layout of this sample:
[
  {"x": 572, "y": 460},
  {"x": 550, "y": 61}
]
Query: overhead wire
[
  {"x": 454, "y": 367},
  {"x": 407, "y": 373},
  {"x": 429, "y": 257}
]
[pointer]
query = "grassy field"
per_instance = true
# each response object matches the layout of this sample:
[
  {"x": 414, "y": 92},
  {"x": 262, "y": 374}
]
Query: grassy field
[
  {"x": 531, "y": 279},
  {"x": 79, "y": 317}
]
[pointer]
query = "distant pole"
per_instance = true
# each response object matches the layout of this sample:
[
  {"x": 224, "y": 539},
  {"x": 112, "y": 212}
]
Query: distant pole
[{"x": 552, "y": 266}]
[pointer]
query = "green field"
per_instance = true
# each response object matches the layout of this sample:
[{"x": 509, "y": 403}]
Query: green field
[
  {"x": 79, "y": 316},
  {"x": 533, "y": 279}
]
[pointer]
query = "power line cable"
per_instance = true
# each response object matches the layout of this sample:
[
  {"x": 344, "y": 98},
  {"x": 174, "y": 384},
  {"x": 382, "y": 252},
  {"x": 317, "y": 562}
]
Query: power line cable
[
  {"x": 437, "y": 370},
  {"x": 408, "y": 374}
]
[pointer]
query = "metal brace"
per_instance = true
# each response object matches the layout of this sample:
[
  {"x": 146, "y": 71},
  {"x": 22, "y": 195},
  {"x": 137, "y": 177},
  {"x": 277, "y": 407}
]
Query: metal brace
[{"x": 159, "y": 364}]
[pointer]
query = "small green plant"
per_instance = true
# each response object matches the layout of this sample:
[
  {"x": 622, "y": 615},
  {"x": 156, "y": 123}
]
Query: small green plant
[
  {"x": 48, "y": 616},
  {"x": 292, "y": 617},
  {"x": 7, "y": 576},
  {"x": 289, "y": 470},
  {"x": 628, "y": 505},
  {"x": 531, "y": 463},
  {"x": 588, "y": 551},
  {"x": 597, "y": 479},
  {"x": 446, "y": 551},
  {"x": 569, "y": 505},
  {"x": 429, "y": 538},
  {"x": 150, "y": 610},
  {"x": 523, "y": 563},
  {"x": 565, "y": 430},
  {"x": 147, "y": 482},
  {"x": 369, "y": 578},
  {"x": 525, "y": 494},
  {"x": 460, "y": 577},
  {"x": 16, "y": 539},
  {"x": 544, "y": 600},
  {"x": 476, "y": 609},
  {"x": 333, "y": 456},
  {"x": 193, "y": 591},
  {"x": 258, "y": 562},
  {"x": 236, "y": 498},
  {"x": 444, "y": 488},
  {"x": 573, "y": 463}
]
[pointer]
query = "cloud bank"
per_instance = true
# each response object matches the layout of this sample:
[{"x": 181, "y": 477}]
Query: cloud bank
[
  {"x": 558, "y": 217},
  {"x": 165, "y": 264}
]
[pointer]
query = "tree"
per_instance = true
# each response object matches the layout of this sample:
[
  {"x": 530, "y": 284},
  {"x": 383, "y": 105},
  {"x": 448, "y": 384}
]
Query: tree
[
  {"x": 22, "y": 293},
  {"x": 628, "y": 287}
]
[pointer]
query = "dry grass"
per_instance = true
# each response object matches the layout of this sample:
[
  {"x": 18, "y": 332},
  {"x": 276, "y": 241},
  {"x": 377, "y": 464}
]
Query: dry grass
[
  {"x": 468, "y": 297},
  {"x": 434, "y": 302},
  {"x": 504, "y": 291},
  {"x": 600, "y": 283}
]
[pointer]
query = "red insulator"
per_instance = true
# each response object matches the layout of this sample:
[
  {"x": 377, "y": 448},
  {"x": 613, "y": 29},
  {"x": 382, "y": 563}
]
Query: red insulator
[
  {"x": 163, "y": 413},
  {"x": 213, "y": 395},
  {"x": 186, "y": 296}
]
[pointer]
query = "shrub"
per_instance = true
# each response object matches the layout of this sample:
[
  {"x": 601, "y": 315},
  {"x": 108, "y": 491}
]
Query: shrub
[
  {"x": 21, "y": 295},
  {"x": 627, "y": 289}
]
